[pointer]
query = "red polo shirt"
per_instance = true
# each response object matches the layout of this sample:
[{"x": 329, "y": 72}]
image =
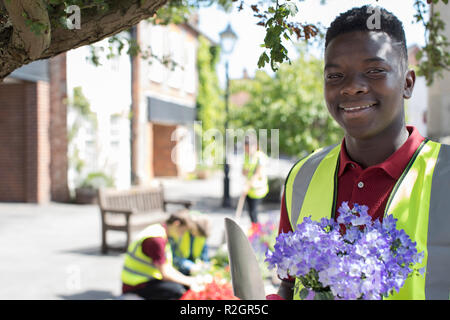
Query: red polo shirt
[
  {"x": 155, "y": 248},
  {"x": 370, "y": 186}
]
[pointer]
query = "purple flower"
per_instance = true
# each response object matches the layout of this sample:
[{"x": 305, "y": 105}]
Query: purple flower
[{"x": 363, "y": 263}]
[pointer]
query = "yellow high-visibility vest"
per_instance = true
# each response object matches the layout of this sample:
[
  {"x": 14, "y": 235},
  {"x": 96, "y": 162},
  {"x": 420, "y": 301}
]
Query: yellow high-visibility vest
[
  {"x": 138, "y": 267},
  {"x": 260, "y": 187},
  {"x": 186, "y": 250},
  {"x": 420, "y": 200}
]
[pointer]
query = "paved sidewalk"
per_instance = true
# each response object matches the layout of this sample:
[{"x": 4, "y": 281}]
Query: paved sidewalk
[{"x": 52, "y": 251}]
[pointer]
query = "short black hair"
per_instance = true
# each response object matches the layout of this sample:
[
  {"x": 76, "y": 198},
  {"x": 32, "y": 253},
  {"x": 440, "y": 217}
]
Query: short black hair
[{"x": 356, "y": 20}]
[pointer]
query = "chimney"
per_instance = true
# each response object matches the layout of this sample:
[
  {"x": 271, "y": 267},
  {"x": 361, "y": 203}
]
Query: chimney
[{"x": 245, "y": 74}]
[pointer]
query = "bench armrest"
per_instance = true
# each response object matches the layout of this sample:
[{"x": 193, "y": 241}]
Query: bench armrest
[{"x": 186, "y": 203}]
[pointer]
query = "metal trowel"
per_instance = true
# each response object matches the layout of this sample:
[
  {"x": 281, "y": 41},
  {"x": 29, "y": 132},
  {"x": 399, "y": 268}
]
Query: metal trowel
[{"x": 245, "y": 274}]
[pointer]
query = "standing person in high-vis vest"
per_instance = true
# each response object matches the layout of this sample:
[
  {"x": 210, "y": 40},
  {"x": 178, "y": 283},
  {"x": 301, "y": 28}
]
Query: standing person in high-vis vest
[
  {"x": 148, "y": 270},
  {"x": 381, "y": 162},
  {"x": 254, "y": 171}
]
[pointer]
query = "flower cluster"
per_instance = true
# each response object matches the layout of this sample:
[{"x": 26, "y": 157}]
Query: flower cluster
[
  {"x": 352, "y": 258},
  {"x": 262, "y": 236},
  {"x": 214, "y": 290}
]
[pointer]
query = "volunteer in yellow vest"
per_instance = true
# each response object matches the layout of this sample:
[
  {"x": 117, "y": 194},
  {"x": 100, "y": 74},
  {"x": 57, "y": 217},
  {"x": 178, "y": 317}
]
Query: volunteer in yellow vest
[
  {"x": 191, "y": 250},
  {"x": 148, "y": 270},
  {"x": 381, "y": 162},
  {"x": 254, "y": 171}
]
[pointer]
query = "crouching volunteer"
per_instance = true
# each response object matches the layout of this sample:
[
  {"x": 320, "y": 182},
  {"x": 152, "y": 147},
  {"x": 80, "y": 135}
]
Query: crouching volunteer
[
  {"x": 190, "y": 251},
  {"x": 148, "y": 270}
]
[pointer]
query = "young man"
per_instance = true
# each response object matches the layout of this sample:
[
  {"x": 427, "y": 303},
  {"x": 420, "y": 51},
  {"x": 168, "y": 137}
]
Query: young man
[
  {"x": 381, "y": 162},
  {"x": 148, "y": 270}
]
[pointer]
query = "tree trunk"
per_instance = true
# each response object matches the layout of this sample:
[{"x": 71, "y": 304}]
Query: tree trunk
[{"x": 20, "y": 46}]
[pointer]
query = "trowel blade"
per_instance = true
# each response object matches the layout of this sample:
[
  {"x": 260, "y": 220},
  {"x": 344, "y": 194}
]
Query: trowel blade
[{"x": 245, "y": 274}]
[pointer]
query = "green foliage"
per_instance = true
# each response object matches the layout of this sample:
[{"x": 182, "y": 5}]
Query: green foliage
[
  {"x": 274, "y": 15},
  {"x": 175, "y": 11},
  {"x": 95, "y": 180},
  {"x": 291, "y": 101},
  {"x": 275, "y": 20},
  {"x": 220, "y": 265},
  {"x": 101, "y": 5},
  {"x": 35, "y": 26},
  {"x": 57, "y": 14},
  {"x": 434, "y": 57},
  {"x": 82, "y": 108},
  {"x": 210, "y": 103},
  {"x": 80, "y": 102},
  {"x": 179, "y": 11}
]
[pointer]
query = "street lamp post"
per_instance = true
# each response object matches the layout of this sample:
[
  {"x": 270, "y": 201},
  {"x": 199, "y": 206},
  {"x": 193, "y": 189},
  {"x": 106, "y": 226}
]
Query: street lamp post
[{"x": 227, "y": 41}]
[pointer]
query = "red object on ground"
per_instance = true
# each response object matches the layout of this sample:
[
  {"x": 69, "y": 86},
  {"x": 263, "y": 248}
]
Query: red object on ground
[{"x": 212, "y": 291}]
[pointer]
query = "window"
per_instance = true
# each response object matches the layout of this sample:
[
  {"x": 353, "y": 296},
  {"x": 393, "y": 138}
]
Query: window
[
  {"x": 115, "y": 125},
  {"x": 175, "y": 54},
  {"x": 190, "y": 65},
  {"x": 157, "y": 47}
]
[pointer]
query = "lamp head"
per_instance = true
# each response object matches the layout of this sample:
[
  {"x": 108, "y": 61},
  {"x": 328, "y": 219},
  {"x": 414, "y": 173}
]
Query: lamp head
[{"x": 228, "y": 39}]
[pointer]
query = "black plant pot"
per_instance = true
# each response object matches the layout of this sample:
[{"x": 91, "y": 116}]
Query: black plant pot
[{"x": 86, "y": 196}]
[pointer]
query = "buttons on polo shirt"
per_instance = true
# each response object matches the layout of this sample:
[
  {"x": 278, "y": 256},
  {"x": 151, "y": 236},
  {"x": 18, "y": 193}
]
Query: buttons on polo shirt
[{"x": 360, "y": 184}]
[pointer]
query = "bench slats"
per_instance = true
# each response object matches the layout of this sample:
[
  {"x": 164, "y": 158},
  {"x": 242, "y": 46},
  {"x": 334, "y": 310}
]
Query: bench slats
[{"x": 146, "y": 202}]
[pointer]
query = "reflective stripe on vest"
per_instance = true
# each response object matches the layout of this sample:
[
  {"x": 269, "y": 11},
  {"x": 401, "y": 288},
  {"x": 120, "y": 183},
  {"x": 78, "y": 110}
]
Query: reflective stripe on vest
[
  {"x": 138, "y": 267},
  {"x": 419, "y": 201}
]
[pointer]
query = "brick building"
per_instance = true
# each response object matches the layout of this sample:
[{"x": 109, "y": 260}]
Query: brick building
[
  {"x": 33, "y": 115},
  {"x": 33, "y": 157}
]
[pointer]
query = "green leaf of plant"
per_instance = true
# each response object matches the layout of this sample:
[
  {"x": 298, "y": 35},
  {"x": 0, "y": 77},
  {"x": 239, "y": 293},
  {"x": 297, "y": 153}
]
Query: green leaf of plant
[
  {"x": 263, "y": 59},
  {"x": 304, "y": 293}
]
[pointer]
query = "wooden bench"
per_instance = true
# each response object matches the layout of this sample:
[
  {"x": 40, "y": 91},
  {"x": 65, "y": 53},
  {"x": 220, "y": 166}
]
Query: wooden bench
[{"x": 132, "y": 210}]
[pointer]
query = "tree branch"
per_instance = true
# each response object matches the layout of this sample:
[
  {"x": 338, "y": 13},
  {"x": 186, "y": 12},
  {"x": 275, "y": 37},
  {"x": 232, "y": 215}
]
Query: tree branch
[
  {"x": 95, "y": 26},
  {"x": 31, "y": 26}
]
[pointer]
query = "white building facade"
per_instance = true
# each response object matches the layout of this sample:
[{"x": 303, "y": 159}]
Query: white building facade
[
  {"x": 104, "y": 146},
  {"x": 167, "y": 107}
]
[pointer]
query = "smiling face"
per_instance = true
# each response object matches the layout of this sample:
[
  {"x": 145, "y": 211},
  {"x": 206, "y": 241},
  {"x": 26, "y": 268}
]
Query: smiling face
[{"x": 365, "y": 82}]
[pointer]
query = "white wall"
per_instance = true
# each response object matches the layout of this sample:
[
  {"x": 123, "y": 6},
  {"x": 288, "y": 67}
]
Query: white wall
[
  {"x": 417, "y": 105},
  {"x": 177, "y": 85},
  {"x": 108, "y": 89}
]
